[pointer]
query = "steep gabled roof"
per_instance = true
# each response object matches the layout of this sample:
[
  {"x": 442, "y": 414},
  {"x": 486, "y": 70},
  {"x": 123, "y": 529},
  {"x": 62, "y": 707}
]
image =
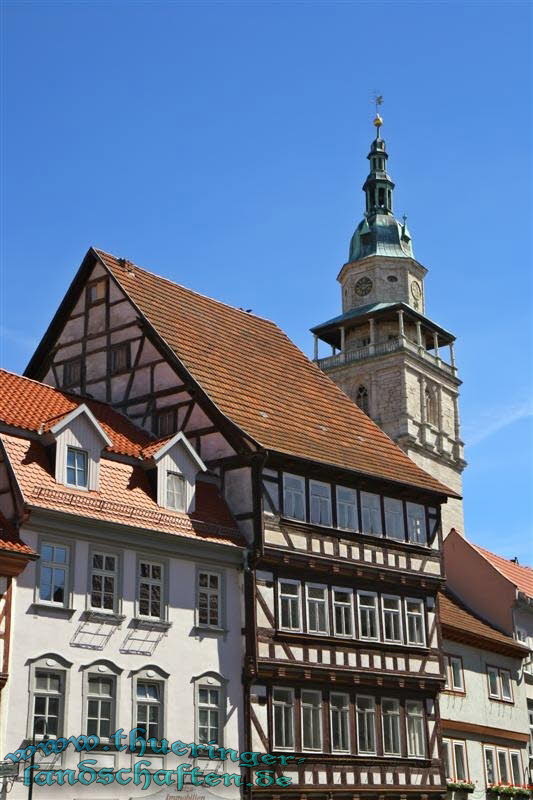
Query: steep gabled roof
[
  {"x": 259, "y": 380},
  {"x": 521, "y": 576}
]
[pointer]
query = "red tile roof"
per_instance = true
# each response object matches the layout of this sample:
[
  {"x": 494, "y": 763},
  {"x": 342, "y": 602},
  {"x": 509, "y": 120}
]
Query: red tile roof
[
  {"x": 9, "y": 539},
  {"x": 460, "y": 623},
  {"x": 262, "y": 382},
  {"x": 521, "y": 576},
  {"x": 124, "y": 496},
  {"x": 34, "y": 406}
]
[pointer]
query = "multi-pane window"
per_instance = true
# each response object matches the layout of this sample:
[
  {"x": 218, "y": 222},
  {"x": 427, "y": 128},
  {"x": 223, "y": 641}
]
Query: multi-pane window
[
  {"x": 371, "y": 513},
  {"x": 502, "y": 766},
  {"x": 47, "y": 703},
  {"x": 414, "y": 614},
  {"x": 366, "y": 724},
  {"x": 320, "y": 503},
  {"x": 392, "y": 618},
  {"x": 368, "y": 615},
  {"x": 149, "y": 708},
  {"x": 390, "y": 715},
  {"x": 342, "y": 612},
  {"x": 455, "y": 761},
  {"x": 283, "y": 716},
  {"x": 347, "y": 509},
  {"x": 166, "y": 422},
  {"x": 209, "y": 715},
  {"x": 293, "y": 496},
  {"x": 317, "y": 609},
  {"x": 103, "y": 581},
  {"x": 100, "y": 706},
  {"x": 72, "y": 372},
  {"x": 289, "y": 605},
  {"x": 119, "y": 357},
  {"x": 54, "y": 573},
  {"x": 150, "y": 589},
  {"x": 340, "y": 717},
  {"x": 394, "y": 522},
  {"x": 416, "y": 740},
  {"x": 454, "y": 674},
  {"x": 176, "y": 492},
  {"x": 311, "y": 704},
  {"x": 500, "y": 684},
  {"x": 77, "y": 467},
  {"x": 416, "y": 523},
  {"x": 209, "y": 598}
]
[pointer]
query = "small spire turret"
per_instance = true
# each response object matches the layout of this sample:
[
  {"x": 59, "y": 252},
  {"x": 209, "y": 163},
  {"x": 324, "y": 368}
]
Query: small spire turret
[{"x": 378, "y": 186}]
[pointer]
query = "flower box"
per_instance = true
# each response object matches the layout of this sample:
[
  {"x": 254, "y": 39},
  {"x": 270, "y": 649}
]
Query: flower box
[{"x": 460, "y": 786}]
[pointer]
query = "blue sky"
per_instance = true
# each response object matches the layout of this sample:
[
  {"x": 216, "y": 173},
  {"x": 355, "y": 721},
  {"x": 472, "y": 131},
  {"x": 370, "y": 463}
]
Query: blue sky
[{"x": 223, "y": 145}]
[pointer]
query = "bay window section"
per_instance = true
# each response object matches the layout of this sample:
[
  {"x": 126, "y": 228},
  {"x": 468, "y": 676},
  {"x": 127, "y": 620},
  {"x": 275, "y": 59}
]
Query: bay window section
[
  {"x": 289, "y": 605},
  {"x": 390, "y": 715},
  {"x": 293, "y": 496},
  {"x": 340, "y": 716},
  {"x": 347, "y": 509},
  {"x": 416, "y": 740},
  {"x": 283, "y": 718},
  {"x": 368, "y": 615},
  {"x": 320, "y": 503},
  {"x": 366, "y": 724},
  {"x": 416, "y": 523},
  {"x": 342, "y": 612},
  {"x": 371, "y": 513},
  {"x": 416, "y": 628},
  {"x": 311, "y": 704},
  {"x": 392, "y": 619},
  {"x": 317, "y": 609},
  {"x": 394, "y": 521}
]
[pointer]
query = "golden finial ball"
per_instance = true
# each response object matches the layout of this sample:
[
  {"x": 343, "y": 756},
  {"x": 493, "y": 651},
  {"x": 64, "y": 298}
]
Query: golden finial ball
[{"x": 378, "y": 121}]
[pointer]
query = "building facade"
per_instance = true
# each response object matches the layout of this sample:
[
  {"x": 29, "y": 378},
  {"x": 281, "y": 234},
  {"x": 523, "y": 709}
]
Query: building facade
[
  {"x": 387, "y": 354},
  {"x": 342, "y": 665}
]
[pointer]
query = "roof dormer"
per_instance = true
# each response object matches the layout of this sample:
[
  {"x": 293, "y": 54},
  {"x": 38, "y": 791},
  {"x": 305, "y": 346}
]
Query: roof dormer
[
  {"x": 178, "y": 465},
  {"x": 79, "y": 440}
]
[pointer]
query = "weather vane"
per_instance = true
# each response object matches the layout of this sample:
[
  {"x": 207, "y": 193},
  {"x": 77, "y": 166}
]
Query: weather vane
[{"x": 378, "y": 101}]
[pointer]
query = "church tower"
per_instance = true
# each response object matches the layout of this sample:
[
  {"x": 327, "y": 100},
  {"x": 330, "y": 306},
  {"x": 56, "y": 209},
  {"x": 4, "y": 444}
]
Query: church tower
[{"x": 387, "y": 354}]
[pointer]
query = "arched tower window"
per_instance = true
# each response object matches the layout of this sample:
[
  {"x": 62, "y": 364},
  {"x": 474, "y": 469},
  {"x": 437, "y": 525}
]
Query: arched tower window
[
  {"x": 431, "y": 407},
  {"x": 361, "y": 398}
]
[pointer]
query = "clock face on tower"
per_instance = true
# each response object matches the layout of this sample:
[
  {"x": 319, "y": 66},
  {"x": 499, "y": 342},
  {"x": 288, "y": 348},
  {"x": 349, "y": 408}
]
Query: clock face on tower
[
  {"x": 416, "y": 291},
  {"x": 363, "y": 287}
]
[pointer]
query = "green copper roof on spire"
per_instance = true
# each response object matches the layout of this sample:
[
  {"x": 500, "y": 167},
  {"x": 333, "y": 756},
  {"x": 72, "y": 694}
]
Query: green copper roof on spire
[{"x": 379, "y": 233}]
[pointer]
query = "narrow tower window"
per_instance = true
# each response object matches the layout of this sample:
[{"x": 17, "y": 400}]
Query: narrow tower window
[
  {"x": 361, "y": 398},
  {"x": 431, "y": 407}
]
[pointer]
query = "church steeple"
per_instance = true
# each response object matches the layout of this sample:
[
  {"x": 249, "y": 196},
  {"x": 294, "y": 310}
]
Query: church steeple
[{"x": 378, "y": 186}]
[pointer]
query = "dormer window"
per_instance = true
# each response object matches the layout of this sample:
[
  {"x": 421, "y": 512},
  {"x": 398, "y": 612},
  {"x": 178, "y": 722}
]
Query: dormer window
[
  {"x": 119, "y": 358},
  {"x": 77, "y": 467},
  {"x": 176, "y": 492},
  {"x": 96, "y": 292},
  {"x": 72, "y": 372}
]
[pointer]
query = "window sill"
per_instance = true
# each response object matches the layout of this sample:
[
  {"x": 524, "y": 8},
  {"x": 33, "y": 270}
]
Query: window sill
[
  {"x": 205, "y": 632},
  {"x": 45, "y": 609},
  {"x": 92, "y": 615},
  {"x": 152, "y": 624}
]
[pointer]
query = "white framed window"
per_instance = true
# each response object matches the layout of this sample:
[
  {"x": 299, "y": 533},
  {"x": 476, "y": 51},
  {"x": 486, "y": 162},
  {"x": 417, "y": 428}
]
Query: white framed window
[
  {"x": 416, "y": 627},
  {"x": 293, "y": 496},
  {"x": 77, "y": 467},
  {"x": 48, "y": 700},
  {"x": 209, "y": 714},
  {"x": 367, "y": 606},
  {"x": 416, "y": 523},
  {"x": 320, "y": 503},
  {"x": 490, "y": 765},
  {"x": 446, "y": 759},
  {"x": 149, "y": 708},
  {"x": 394, "y": 521},
  {"x": 494, "y": 682},
  {"x": 176, "y": 492},
  {"x": 505, "y": 684},
  {"x": 459, "y": 761},
  {"x": 289, "y": 599},
  {"x": 517, "y": 777},
  {"x": 371, "y": 513},
  {"x": 342, "y": 611},
  {"x": 103, "y": 594},
  {"x": 500, "y": 687},
  {"x": 365, "y": 708},
  {"x": 454, "y": 674},
  {"x": 150, "y": 589},
  {"x": 283, "y": 718},
  {"x": 503, "y": 765},
  {"x": 209, "y": 596},
  {"x": 416, "y": 740},
  {"x": 347, "y": 509},
  {"x": 100, "y": 706},
  {"x": 311, "y": 705},
  {"x": 339, "y": 704},
  {"x": 317, "y": 608},
  {"x": 391, "y": 609},
  {"x": 390, "y": 716},
  {"x": 54, "y": 573}
]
